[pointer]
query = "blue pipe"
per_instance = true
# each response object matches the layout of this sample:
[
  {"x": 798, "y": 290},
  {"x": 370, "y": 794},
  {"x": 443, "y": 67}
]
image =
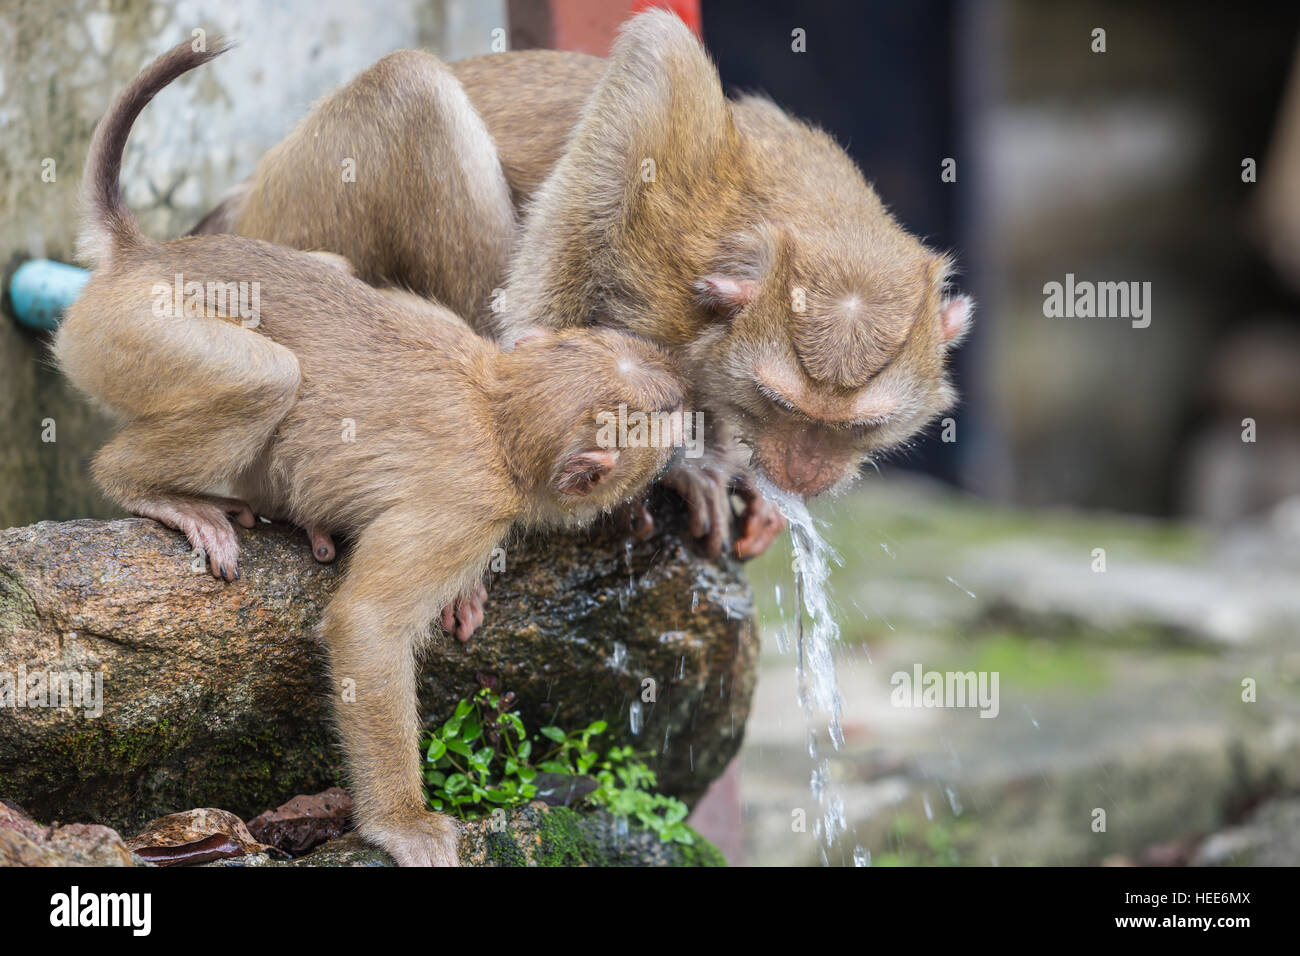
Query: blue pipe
[{"x": 41, "y": 289}]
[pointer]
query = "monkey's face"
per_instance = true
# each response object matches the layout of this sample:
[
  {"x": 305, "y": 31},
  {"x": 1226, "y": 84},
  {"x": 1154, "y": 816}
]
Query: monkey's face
[
  {"x": 818, "y": 376},
  {"x": 619, "y": 403}
]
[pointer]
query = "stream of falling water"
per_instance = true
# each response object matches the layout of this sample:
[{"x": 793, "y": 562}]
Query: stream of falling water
[{"x": 819, "y": 693}]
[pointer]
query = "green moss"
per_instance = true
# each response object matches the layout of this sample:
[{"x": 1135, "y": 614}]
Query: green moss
[
  {"x": 566, "y": 842},
  {"x": 570, "y": 838},
  {"x": 502, "y": 850},
  {"x": 701, "y": 853},
  {"x": 124, "y": 778}
]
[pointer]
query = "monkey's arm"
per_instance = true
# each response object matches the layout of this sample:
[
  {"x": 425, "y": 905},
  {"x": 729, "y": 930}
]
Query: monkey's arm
[{"x": 375, "y": 627}]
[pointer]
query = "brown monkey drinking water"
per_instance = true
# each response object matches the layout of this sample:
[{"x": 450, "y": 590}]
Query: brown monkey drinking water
[
  {"x": 456, "y": 441},
  {"x": 813, "y": 328}
]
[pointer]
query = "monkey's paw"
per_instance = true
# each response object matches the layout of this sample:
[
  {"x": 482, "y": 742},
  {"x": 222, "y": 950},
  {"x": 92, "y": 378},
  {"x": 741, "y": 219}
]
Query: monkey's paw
[
  {"x": 206, "y": 523},
  {"x": 707, "y": 493},
  {"x": 429, "y": 839},
  {"x": 760, "y": 521},
  {"x": 463, "y": 616}
]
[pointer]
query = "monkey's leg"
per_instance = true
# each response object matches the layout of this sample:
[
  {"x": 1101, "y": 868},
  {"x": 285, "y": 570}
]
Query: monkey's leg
[
  {"x": 202, "y": 400},
  {"x": 397, "y": 172}
]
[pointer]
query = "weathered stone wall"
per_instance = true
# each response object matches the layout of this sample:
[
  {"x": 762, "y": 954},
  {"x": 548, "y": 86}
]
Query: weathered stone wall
[{"x": 60, "y": 65}]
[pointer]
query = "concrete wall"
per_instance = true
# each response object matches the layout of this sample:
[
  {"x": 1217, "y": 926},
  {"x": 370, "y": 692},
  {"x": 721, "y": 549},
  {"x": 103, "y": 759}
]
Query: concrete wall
[{"x": 60, "y": 65}]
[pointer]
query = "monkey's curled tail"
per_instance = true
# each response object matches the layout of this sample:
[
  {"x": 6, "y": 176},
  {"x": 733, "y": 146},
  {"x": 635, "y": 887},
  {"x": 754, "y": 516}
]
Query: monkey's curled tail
[{"x": 106, "y": 223}]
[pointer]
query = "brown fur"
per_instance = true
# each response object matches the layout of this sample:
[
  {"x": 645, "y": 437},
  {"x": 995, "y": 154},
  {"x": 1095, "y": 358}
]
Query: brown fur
[
  {"x": 812, "y": 326},
  {"x": 409, "y": 130},
  {"x": 456, "y": 442}
]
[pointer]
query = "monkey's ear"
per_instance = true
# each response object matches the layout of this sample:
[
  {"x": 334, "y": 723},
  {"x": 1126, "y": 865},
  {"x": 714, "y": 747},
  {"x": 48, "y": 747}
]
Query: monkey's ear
[
  {"x": 725, "y": 295},
  {"x": 954, "y": 318},
  {"x": 582, "y": 472}
]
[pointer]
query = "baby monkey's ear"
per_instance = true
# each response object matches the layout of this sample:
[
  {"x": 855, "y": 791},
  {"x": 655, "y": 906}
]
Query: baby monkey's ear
[
  {"x": 725, "y": 295},
  {"x": 581, "y": 472}
]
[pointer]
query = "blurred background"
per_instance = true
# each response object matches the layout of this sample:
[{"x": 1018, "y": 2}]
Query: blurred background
[{"x": 1161, "y": 685}]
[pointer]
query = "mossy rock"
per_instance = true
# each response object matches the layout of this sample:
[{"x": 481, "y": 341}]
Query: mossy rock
[
  {"x": 534, "y": 835},
  {"x": 216, "y": 694}
]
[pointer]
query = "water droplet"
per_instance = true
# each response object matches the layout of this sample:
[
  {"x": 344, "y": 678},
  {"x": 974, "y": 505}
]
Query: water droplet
[
  {"x": 634, "y": 717},
  {"x": 861, "y": 856},
  {"x": 953, "y": 582}
]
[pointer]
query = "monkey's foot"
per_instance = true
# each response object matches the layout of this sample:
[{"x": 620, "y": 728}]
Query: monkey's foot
[
  {"x": 322, "y": 545},
  {"x": 205, "y": 521},
  {"x": 427, "y": 839},
  {"x": 760, "y": 521},
  {"x": 464, "y": 615}
]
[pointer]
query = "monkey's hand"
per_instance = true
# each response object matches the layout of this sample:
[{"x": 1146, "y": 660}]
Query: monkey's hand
[
  {"x": 423, "y": 838},
  {"x": 760, "y": 520},
  {"x": 463, "y": 617},
  {"x": 706, "y": 489},
  {"x": 206, "y": 523}
]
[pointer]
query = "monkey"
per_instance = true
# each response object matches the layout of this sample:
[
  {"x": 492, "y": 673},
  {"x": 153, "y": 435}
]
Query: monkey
[
  {"x": 343, "y": 408},
  {"x": 813, "y": 328}
]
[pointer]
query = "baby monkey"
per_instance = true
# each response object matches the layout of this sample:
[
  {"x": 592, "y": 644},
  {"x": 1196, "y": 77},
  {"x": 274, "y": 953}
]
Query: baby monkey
[{"x": 338, "y": 406}]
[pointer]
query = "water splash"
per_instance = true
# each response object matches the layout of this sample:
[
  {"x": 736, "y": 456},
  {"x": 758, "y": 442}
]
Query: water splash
[
  {"x": 961, "y": 587},
  {"x": 818, "y": 689}
]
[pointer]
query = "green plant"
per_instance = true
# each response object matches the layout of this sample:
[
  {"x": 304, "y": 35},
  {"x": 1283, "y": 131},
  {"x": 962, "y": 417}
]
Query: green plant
[{"x": 482, "y": 757}]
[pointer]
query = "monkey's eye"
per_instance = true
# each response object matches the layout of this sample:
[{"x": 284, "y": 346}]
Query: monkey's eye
[{"x": 865, "y": 426}]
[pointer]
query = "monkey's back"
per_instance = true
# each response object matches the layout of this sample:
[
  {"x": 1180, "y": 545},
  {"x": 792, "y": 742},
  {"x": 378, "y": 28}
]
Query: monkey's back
[{"x": 379, "y": 375}]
